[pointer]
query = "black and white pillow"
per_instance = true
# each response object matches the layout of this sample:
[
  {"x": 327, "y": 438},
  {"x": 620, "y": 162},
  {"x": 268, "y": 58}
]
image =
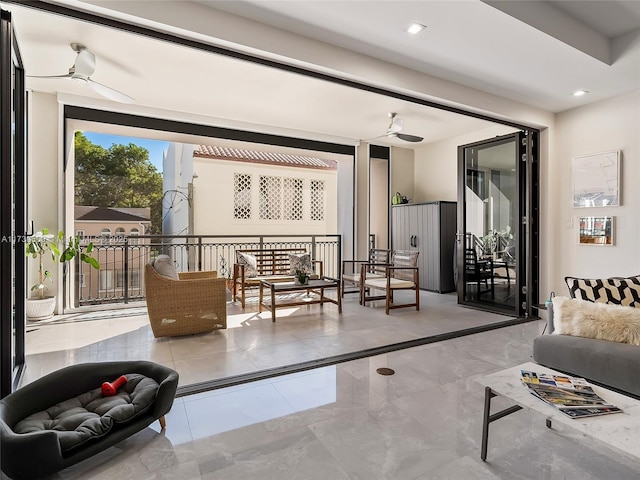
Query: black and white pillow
[
  {"x": 250, "y": 263},
  {"x": 615, "y": 290},
  {"x": 300, "y": 262}
]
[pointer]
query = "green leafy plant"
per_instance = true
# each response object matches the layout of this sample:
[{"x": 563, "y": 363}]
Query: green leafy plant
[
  {"x": 302, "y": 276},
  {"x": 61, "y": 249},
  {"x": 495, "y": 239}
]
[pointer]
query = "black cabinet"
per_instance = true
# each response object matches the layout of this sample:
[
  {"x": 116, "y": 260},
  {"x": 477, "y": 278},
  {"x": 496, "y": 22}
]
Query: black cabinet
[{"x": 431, "y": 229}]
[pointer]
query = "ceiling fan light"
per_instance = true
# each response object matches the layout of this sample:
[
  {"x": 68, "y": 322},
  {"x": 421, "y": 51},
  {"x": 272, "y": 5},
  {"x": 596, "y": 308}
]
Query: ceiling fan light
[{"x": 415, "y": 28}]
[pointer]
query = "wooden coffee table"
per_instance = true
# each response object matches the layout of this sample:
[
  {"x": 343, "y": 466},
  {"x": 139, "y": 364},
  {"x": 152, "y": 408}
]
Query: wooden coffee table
[
  {"x": 619, "y": 431},
  {"x": 314, "y": 289}
]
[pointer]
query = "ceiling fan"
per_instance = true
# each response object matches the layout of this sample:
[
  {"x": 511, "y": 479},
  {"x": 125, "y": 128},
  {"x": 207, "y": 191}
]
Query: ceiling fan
[
  {"x": 396, "y": 125},
  {"x": 82, "y": 70}
]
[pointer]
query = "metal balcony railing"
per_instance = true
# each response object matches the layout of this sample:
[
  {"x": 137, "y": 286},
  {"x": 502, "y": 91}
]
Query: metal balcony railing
[{"x": 120, "y": 278}]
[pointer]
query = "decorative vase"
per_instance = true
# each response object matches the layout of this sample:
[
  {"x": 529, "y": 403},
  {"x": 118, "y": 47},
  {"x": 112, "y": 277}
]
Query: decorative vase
[
  {"x": 40, "y": 308},
  {"x": 304, "y": 281}
]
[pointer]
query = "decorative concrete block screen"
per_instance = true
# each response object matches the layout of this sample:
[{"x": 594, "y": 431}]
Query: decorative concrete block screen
[
  {"x": 279, "y": 198},
  {"x": 270, "y": 197},
  {"x": 293, "y": 188},
  {"x": 242, "y": 196},
  {"x": 317, "y": 200}
]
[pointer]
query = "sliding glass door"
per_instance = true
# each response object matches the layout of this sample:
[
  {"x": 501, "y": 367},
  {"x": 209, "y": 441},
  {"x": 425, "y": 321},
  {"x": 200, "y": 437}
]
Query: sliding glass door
[{"x": 12, "y": 199}]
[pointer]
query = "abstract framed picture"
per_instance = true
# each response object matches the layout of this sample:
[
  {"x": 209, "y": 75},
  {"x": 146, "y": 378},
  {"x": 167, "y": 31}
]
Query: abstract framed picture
[
  {"x": 596, "y": 231},
  {"x": 596, "y": 180}
]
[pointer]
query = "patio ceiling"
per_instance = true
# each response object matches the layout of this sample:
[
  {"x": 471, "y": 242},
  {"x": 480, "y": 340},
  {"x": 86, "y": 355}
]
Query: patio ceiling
[{"x": 536, "y": 53}]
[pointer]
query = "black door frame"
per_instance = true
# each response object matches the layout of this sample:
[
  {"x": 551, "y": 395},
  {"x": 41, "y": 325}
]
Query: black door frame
[
  {"x": 526, "y": 254},
  {"x": 12, "y": 207}
]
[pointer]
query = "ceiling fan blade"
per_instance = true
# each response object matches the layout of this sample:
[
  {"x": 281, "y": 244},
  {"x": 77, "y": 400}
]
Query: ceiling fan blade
[
  {"x": 409, "y": 138},
  {"x": 109, "y": 92},
  {"x": 68, "y": 75}
]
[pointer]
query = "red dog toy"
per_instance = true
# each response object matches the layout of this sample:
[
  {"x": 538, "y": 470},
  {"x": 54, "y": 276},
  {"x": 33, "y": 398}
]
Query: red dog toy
[{"x": 109, "y": 389}]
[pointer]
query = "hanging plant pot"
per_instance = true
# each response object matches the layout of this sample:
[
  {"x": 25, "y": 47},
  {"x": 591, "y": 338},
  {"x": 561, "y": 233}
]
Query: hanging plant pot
[{"x": 40, "y": 308}]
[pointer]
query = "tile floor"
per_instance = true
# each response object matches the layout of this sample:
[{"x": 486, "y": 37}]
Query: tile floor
[
  {"x": 348, "y": 422},
  {"x": 251, "y": 342}
]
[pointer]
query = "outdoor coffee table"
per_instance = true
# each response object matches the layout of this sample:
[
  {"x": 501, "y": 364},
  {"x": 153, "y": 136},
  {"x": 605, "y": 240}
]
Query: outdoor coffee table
[
  {"x": 620, "y": 431},
  {"x": 315, "y": 287}
]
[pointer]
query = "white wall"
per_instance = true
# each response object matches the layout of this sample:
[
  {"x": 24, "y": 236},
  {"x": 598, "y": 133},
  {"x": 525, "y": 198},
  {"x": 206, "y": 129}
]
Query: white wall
[
  {"x": 213, "y": 200},
  {"x": 177, "y": 173},
  {"x": 402, "y": 165},
  {"x": 436, "y": 164},
  {"x": 378, "y": 201},
  {"x": 44, "y": 179},
  {"x": 612, "y": 124}
]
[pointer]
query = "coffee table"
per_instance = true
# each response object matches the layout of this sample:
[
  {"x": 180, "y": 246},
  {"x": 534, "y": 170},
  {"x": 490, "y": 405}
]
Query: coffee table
[
  {"x": 620, "y": 431},
  {"x": 315, "y": 287}
]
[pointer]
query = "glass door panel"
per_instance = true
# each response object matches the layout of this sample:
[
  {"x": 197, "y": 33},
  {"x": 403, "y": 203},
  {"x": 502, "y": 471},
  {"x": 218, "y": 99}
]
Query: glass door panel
[{"x": 488, "y": 228}]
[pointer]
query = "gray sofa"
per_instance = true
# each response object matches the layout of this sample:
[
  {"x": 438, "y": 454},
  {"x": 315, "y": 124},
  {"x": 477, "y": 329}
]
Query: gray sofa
[{"x": 603, "y": 362}]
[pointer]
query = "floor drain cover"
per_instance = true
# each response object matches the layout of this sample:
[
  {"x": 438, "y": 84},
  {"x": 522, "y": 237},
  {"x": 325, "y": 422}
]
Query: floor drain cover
[{"x": 385, "y": 371}]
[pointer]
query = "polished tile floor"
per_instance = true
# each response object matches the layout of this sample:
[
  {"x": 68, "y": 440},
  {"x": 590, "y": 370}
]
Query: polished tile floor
[
  {"x": 348, "y": 422},
  {"x": 252, "y": 342}
]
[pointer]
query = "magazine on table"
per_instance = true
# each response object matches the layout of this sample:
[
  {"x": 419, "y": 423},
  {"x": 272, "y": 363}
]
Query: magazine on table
[{"x": 573, "y": 396}]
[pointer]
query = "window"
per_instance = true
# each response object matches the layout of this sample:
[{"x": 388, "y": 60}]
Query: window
[
  {"x": 81, "y": 280},
  {"x": 119, "y": 279},
  {"x": 317, "y": 199},
  {"x": 105, "y": 235},
  {"x": 134, "y": 279},
  {"x": 270, "y": 197},
  {"x": 134, "y": 233},
  {"x": 106, "y": 279},
  {"x": 242, "y": 196},
  {"x": 292, "y": 201}
]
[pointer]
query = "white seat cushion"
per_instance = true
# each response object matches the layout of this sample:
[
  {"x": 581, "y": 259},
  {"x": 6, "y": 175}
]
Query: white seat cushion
[
  {"x": 355, "y": 277},
  {"x": 381, "y": 283}
]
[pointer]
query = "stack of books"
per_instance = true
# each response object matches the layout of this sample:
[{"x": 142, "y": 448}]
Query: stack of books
[{"x": 573, "y": 396}]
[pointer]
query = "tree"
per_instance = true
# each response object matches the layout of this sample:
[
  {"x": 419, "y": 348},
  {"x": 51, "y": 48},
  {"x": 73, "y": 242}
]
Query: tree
[{"x": 118, "y": 176}]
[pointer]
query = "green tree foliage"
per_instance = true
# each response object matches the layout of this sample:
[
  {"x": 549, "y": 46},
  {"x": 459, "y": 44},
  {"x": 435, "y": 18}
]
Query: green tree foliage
[{"x": 118, "y": 176}]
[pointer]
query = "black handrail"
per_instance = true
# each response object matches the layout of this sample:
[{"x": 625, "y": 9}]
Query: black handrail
[{"x": 122, "y": 259}]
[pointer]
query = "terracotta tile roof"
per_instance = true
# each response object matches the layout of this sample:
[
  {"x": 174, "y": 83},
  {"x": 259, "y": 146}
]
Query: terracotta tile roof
[
  {"x": 255, "y": 156},
  {"x": 111, "y": 214}
]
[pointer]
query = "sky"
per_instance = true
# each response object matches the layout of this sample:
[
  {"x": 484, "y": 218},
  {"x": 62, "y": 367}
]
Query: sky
[{"x": 155, "y": 147}]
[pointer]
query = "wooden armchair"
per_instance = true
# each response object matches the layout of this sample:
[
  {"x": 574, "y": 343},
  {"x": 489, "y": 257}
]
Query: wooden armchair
[
  {"x": 401, "y": 274},
  {"x": 187, "y": 303},
  {"x": 351, "y": 269}
]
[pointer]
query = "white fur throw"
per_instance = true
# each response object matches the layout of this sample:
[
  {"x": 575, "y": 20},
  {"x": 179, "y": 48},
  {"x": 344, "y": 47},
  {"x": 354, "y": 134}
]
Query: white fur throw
[{"x": 616, "y": 323}]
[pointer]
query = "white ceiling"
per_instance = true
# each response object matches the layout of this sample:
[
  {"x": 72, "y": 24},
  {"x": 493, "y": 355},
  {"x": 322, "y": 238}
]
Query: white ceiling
[{"x": 468, "y": 42}]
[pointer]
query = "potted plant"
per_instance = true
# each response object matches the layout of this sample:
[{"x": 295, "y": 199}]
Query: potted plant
[
  {"x": 43, "y": 243},
  {"x": 302, "y": 277}
]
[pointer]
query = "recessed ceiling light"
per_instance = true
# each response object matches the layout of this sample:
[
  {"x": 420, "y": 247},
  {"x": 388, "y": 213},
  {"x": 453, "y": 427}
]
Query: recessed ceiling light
[
  {"x": 579, "y": 93},
  {"x": 415, "y": 28}
]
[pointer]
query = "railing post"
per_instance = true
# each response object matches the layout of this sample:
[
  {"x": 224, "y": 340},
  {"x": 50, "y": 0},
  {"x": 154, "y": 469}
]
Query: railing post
[
  {"x": 314, "y": 254},
  {"x": 126, "y": 270},
  {"x": 339, "y": 266},
  {"x": 199, "y": 253}
]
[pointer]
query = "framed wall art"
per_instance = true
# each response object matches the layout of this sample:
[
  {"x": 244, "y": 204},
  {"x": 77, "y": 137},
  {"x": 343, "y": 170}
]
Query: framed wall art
[
  {"x": 596, "y": 180},
  {"x": 596, "y": 231}
]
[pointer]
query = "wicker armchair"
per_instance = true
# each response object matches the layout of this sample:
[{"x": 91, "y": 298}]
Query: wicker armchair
[{"x": 195, "y": 302}]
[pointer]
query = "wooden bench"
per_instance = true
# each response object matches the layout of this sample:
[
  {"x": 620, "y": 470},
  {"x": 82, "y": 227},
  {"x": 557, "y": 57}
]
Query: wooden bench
[{"x": 271, "y": 264}]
